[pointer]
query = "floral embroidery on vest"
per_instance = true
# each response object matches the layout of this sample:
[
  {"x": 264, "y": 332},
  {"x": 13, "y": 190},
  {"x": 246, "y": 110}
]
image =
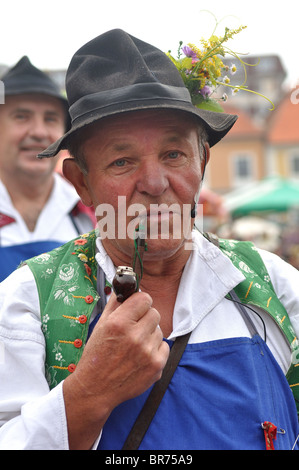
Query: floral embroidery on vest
[{"x": 66, "y": 280}]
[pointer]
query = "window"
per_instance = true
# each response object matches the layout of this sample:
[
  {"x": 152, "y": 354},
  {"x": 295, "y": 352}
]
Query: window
[
  {"x": 294, "y": 166},
  {"x": 243, "y": 169}
]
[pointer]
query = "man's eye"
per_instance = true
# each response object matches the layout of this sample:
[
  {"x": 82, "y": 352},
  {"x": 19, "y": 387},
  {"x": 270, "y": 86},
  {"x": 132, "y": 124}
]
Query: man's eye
[
  {"x": 20, "y": 117},
  {"x": 120, "y": 162},
  {"x": 51, "y": 119},
  {"x": 173, "y": 155}
]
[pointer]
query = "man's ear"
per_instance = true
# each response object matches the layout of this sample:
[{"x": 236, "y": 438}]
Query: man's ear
[
  {"x": 76, "y": 177},
  {"x": 206, "y": 158}
]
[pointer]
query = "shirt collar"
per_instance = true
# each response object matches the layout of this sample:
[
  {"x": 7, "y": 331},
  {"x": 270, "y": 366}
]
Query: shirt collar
[
  {"x": 63, "y": 195},
  {"x": 207, "y": 278},
  {"x": 6, "y": 206}
]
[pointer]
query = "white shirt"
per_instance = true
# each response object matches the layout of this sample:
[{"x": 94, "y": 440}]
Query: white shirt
[
  {"x": 54, "y": 222},
  {"x": 35, "y": 418}
]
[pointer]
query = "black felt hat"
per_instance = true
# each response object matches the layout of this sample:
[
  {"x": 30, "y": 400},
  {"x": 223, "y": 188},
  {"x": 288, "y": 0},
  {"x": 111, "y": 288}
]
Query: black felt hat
[
  {"x": 24, "y": 78},
  {"x": 117, "y": 73}
]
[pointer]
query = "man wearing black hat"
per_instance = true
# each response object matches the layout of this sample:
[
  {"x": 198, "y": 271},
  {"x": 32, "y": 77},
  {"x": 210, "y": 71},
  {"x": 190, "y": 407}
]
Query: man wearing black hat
[
  {"x": 173, "y": 358},
  {"x": 33, "y": 116}
]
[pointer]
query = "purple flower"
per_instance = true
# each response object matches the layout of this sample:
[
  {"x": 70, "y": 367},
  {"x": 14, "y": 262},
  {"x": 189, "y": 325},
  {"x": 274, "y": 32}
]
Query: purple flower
[
  {"x": 205, "y": 91},
  {"x": 189, "y": 52}
]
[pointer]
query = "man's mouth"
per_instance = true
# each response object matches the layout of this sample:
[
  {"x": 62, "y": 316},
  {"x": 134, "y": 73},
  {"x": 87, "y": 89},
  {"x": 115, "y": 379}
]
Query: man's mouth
[
  {"x": 158, "y": 220},
  {"x": 35, "y": 150},
  {"x": 160, "y": 211}
]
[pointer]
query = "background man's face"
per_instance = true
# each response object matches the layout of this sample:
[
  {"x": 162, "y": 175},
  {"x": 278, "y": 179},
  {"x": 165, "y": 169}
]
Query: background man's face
[{"x": 28, "y": 125}]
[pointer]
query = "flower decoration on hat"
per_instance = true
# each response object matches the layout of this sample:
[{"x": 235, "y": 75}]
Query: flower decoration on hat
[{"x": 203, "y": 70}]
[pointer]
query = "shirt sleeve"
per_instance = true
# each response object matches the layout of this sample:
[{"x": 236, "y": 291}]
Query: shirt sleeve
[{"x": 31, "y": 417}]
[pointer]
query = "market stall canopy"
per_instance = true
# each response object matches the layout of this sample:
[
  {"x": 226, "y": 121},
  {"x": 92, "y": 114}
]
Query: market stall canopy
[
  {"x": 264, "y": 233},
  {"x": 273, "y": 194}
]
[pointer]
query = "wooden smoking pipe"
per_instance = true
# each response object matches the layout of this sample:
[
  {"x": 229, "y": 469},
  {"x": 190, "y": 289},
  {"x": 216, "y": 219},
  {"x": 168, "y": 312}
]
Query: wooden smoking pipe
[{"x": 126, "y": 280}]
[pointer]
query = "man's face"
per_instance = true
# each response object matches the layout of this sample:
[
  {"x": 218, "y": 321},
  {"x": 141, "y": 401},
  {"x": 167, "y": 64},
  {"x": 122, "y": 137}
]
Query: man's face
[
  {"x": 28, "y": 125},
  {"x": 148, "y": 160}
]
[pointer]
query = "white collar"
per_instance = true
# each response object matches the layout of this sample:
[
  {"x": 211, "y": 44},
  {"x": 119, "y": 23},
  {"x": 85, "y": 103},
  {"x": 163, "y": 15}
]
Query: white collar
[
  {"x": 6, "y": 205},
  {"x": 62, "y": 200},
  {"x": 207, "y": 278}
]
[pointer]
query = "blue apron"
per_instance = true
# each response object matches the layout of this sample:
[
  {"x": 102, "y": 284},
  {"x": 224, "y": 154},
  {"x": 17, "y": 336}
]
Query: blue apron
[
  {"x": 218, "y": 398},
  {"x": 12, "y": 256}
]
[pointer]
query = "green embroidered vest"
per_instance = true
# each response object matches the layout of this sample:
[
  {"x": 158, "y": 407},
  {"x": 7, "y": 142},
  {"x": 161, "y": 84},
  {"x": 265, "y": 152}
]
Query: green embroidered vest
[{"x": 66, "y": 280}]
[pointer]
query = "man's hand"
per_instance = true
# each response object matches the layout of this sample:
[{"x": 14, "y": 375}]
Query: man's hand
[{"x": 124, "y": 356}]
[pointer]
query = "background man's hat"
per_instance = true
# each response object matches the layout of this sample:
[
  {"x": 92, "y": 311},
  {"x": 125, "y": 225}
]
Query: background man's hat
[
  {"x": 116, "y": 73},
  {"x": 24, "y": 78}
]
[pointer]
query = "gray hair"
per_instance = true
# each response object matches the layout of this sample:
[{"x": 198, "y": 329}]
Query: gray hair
[{"x": 75, "y": 149}]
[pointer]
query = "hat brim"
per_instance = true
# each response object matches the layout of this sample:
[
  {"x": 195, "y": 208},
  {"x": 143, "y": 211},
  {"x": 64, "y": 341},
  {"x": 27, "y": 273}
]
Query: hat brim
[{"x": 216, "y": 124}]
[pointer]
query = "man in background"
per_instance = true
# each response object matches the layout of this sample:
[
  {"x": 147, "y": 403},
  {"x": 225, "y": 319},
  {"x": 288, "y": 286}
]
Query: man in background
[{"x": 39, "y": 210}]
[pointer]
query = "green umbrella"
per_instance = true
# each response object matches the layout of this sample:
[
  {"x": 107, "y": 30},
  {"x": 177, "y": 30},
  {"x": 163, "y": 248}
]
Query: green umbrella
[{"x": 272, "y": 194}]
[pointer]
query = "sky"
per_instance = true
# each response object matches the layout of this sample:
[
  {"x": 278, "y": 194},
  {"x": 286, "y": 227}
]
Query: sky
[{"x": 50, "y": 32}]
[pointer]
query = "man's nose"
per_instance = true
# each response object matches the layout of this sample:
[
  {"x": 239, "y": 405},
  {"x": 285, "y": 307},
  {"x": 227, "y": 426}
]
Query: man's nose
[
  {"x": 39, "y": 129},
  {"x": 152, "y": 178}
]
